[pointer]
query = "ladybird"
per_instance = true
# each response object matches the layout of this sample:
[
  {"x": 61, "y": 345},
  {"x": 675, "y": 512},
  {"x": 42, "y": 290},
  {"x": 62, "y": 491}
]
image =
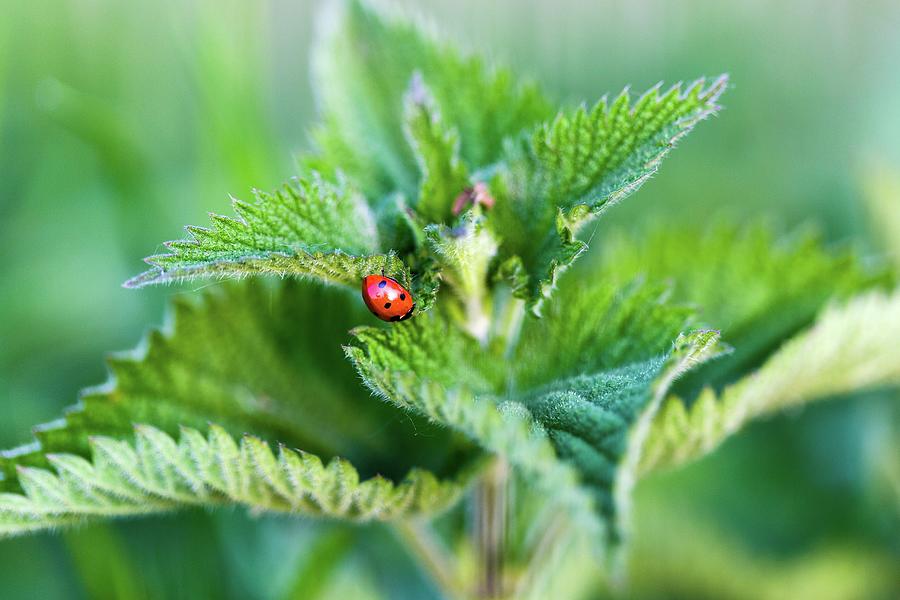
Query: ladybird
[{"x": 386, "y": 298}]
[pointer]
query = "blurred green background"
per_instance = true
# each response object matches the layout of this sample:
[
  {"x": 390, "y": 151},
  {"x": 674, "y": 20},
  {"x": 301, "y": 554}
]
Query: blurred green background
[{"x": 122, "y": 121}]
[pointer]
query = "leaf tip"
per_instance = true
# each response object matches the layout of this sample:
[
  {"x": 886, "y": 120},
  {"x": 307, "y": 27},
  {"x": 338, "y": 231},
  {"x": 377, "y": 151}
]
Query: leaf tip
[{"x": 144, "y": 279}]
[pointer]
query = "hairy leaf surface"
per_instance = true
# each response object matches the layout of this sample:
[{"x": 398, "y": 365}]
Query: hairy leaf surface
[
  {"x": 572, "y": 169},
  {"x": 157, "y": 474},
  {"x": 596, "y": 326},
  {"x": 309, "y": 228},
  {"x": 464, "y": 253}
]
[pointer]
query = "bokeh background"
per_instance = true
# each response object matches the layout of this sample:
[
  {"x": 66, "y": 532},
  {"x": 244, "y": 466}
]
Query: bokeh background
[{"x": 122, "y": 121}]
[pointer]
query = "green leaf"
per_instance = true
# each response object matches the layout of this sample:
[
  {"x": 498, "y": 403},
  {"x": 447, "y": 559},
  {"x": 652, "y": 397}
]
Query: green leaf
[
  {"x": 851, "y": 347},
  {"x": 577, "y": 427},
  {"x": 251, "y": 358},
  {"x": 598, "y": 422},
  {"x": 444, "y": 176},
  {"x": 158, "y": 474},
  {"x": 431, "y": 368},
  {"x": 362, "y": 66},
  {"x": 309, "y": 228},
  {"x": 505, "y": 428},
  {"x": 431, "y": 347},
  {"x": 595, "y": 326},
  {"x": 572, "y": 169},
  {"x": 596, "y": 157},
  {"x": 757, "y": 287}
]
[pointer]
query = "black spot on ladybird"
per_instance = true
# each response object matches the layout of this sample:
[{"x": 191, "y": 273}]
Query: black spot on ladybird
[
  {"x": 403, "y": 296},
  {"x": 387, "y": 304},
  {"x": 382, "y": 283}
]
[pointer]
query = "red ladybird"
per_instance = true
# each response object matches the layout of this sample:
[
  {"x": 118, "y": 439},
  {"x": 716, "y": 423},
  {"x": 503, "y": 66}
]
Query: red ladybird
[{"x": 386, "y": 298}]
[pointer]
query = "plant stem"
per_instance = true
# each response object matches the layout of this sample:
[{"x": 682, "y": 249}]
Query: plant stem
[
  {"x": 515, "y": 315},
  {"x": 477, "y": 321},
  {"x": 490, "y": 528},
  {"x": 541, "y": 553},
  {"x": 507, "y": 322},
  {"x": 432, "y": 556}
]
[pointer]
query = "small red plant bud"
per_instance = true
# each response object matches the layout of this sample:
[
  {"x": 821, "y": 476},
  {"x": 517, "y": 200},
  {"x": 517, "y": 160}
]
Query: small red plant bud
[{"x": 477, "y": 194}]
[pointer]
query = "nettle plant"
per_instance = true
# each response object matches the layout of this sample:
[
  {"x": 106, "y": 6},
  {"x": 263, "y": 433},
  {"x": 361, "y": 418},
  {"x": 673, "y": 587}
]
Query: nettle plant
[{"x": 505, "y": 424}]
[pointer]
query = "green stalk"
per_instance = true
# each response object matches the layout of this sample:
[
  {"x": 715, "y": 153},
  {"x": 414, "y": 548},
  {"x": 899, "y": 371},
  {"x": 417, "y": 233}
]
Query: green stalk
[
  {"x": 432, "y": 556},
  {"x": 490, "y": 530}
]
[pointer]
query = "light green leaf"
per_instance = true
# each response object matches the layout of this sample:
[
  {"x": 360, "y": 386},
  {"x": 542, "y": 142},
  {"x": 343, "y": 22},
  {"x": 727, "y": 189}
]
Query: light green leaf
[
  {"x": 159, "y": 474},
  {"x": 444, "y": 176},
  {"x": 309, "y": 228},
  {"x": 597, "y": 156},
  {"x": 362, "y": 67},
  {"x": 850, "y": 348},
  {"x": 572, "y": 169},
  {"x": 251, "y": 358}
]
